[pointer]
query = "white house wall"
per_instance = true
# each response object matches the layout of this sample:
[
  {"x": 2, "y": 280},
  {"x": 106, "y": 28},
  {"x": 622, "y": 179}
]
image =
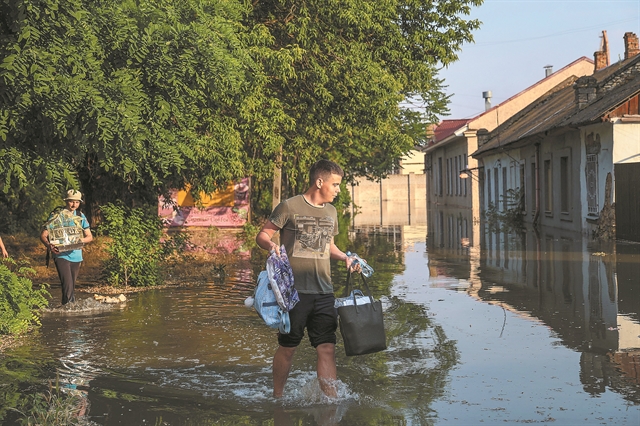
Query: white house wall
[
  {"x": 627, "y": 142},
  {"x": 603, "y": 134}
]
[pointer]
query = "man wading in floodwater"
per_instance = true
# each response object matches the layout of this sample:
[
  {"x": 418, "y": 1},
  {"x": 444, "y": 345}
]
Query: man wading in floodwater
[{"x": 307, "y": 225}]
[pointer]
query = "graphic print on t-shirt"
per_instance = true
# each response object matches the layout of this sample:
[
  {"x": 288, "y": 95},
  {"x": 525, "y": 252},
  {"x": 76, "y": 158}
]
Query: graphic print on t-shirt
[{"x": 313, "y": 235}]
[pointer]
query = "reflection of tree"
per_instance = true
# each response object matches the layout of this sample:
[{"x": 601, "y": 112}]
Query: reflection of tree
[
  {"x": 380, "y": 252},
  {"x": 22, "y": 375},
  {"x": 412, "y": 372}
]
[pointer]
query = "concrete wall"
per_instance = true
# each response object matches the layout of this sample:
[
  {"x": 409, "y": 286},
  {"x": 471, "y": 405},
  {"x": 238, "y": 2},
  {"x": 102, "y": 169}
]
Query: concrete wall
[
  {"x": 412, "y": 162},
  {"x": 396, "y": 200}
]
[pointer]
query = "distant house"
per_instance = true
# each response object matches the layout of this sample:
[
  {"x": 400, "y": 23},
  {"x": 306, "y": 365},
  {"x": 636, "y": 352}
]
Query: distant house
[
  {"x": 573, "y": 152},
  {"x": 411, "y": 162},
  {"x": 453, "y": 176}
]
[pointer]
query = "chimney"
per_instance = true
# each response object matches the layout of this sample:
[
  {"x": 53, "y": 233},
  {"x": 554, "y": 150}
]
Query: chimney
[
  {"x": 487, "y": 100},
  {"x": 483, "y": 136},
  {"x": 601, "y": 57},
  {"x": 548, "y": 70},
  {"x": 585, "y": 90},
  {"x": 630, "y": 45}
]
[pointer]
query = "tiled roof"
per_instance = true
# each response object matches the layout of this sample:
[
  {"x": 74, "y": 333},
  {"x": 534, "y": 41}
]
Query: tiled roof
[
  {"x": 448, "y": 127},
  {"x": 558, "y": 107}
]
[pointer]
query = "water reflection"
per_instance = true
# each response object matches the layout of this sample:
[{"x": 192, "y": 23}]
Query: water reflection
[
  {"x": 196, "y": 355},
  {"x": 518, "y": 329},
  {"x": 587, "y": 294}
]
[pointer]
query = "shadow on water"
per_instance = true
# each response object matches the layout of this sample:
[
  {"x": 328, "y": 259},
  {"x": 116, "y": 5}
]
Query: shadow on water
[{"x": 196, "y": 356}]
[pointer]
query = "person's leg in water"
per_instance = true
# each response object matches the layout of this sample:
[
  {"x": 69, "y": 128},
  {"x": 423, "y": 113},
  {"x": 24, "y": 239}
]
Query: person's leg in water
[
  {"x": 326, "y": 369},
  {"x": 289, "y": 342},
  {"x": 281, "y": 366},
  {"x": 322, "y": 326},
  {"x": 67, "y": 273}
]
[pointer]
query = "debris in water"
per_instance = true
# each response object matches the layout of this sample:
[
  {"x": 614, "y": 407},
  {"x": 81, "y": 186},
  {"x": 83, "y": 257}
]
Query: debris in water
[
  {"x": 109, "y": 299},
  {"x": 248, "y": 302}
]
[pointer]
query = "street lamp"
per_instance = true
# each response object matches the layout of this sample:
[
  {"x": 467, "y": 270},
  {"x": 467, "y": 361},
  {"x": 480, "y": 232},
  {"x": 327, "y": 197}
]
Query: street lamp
[{"x": 467, "y": 172}]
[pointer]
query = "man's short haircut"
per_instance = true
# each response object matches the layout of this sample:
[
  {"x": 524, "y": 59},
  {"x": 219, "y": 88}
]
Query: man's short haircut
[{"x": 322, "y": 169}]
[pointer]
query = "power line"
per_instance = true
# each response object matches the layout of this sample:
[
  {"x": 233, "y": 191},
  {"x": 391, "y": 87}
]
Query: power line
[{"x": 573, "y": 31}]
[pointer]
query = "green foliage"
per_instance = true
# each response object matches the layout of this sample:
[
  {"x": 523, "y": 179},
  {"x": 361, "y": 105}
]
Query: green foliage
[
  {"x": 54, "y": 407},
  {"x": 249, "y": 233},
  {"x": 352, "y": 63},
  {"x": 126, "y": 100},
  {"x": 136, "y": 253},
  {"x": 511, "y": 219},
  {"x": 20, "y": 303}
]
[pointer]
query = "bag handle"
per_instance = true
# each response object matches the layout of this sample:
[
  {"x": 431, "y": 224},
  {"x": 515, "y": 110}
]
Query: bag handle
[{"x": 366, "y": 286}]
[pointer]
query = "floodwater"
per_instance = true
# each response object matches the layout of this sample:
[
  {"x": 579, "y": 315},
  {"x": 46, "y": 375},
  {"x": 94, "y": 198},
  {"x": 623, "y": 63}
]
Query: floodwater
[{"x": 541, "y": 329}]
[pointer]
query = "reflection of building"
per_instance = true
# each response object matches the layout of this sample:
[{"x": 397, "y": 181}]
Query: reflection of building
[
  {"x": 559, "y": 279},
  {"x": 450, "y": 237},
  {"x": 398, "y": 236}
]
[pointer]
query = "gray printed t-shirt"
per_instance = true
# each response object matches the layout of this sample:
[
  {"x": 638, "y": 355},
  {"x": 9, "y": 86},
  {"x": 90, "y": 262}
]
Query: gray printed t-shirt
[{"x": 306, "y": 232}]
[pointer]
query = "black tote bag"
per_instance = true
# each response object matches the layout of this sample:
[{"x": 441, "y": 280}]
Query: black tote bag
[{"x": 361, "y": 325}]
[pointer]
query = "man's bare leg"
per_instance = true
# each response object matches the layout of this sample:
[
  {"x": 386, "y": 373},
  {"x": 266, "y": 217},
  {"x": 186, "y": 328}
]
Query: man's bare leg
[
  {"x": 281, "y": 366},
  {"x": 327, "y": 374}
]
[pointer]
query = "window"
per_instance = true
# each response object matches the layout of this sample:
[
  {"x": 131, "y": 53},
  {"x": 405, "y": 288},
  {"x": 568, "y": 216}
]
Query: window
[
  {"x": 439, "y": 177},
  {"x": 488, "y": 187},
  {"x": 448, "y": 176},
  {"x": 565, "y": 195},
  {"x": 464, "y": 181},
  {"x": 456, "y": 175},
  {"x": 592, "y": 184},
  {"x": 496, "y": 187},
  {"x": 505, "y": 199},
  {"x": 548, "y": 187},
  {"x": 533, "y": 187},
  {"x": 523, "y": 191}
]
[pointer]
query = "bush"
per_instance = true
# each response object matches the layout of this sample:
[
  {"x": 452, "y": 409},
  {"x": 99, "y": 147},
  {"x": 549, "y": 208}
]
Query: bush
[
  {"x": 54, "y": 407},
  {"x": 512, "y": 219},
  {"x": 136, "y": 252},
  {"x": 20, "y": 303}
]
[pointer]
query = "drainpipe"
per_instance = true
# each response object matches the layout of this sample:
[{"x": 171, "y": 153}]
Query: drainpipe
[{"x": 536, "y": 216}]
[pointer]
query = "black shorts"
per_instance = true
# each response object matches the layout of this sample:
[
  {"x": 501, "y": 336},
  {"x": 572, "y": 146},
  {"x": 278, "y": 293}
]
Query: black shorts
[{"x": 316, "y": 313}]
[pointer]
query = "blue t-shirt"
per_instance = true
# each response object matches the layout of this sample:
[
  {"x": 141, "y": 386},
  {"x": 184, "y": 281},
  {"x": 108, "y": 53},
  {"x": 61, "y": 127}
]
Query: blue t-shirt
[{"x": 74, "y": 255}]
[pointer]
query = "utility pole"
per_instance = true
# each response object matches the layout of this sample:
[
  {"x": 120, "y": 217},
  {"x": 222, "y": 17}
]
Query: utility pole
[{"x": 277, "y": 189}]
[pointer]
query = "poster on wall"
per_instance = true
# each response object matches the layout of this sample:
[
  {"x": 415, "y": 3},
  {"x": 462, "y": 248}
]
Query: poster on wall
[{"x": 225, "y": 208}]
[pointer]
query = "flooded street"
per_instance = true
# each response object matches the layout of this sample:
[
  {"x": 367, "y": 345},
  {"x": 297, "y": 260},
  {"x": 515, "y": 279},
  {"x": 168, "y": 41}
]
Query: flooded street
[{"x": 535, "y": 329}]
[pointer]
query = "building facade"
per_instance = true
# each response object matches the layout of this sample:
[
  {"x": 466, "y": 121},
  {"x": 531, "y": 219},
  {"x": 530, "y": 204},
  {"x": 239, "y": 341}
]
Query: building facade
[{"x": 556, "y": 159}]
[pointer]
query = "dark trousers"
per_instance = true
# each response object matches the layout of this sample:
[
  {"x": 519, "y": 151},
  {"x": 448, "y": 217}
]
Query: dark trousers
[{"x": 68, "y": 273}]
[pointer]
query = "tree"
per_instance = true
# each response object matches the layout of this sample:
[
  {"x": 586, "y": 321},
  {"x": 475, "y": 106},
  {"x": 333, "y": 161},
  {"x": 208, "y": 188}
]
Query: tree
[
  {"x": 126, "y": 99},
  {"x": 355, "y": 61}
]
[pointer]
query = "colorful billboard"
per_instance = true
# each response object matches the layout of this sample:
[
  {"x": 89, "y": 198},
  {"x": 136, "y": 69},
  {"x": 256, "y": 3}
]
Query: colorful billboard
[{"x": 225, "y": 208}]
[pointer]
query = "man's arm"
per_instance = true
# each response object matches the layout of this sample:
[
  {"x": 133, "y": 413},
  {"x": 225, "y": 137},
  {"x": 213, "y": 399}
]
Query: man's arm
[
  {"x": 336, "y": 254},
  {"x": 263, "y": 239}
]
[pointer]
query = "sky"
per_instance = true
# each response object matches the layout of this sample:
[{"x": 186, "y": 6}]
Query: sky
[{"x": 518, "y": 38}]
